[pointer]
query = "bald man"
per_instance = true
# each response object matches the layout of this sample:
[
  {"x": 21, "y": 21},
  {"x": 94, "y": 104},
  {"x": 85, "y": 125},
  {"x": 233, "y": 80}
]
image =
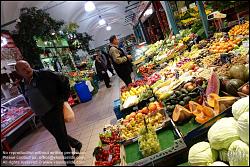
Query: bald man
[{"x": 46, "y": 92}]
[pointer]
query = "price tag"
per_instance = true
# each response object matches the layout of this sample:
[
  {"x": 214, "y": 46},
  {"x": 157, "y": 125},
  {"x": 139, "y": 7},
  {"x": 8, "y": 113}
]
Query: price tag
[
  {"x": 184, "y": 9},
  {"x": 245, "y": 44},
  {"x": 152, "y": 99},
  {"x": 225, "y": 58},
  {"x": 134, "y": 139},
  {"x": 135, "y": 108},
  {"x": 192, "y": 5},
  {"x": 177, "y": 75},
  {"x": 110, "y": 157}
]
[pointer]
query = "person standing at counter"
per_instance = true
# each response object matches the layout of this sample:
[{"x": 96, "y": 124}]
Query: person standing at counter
[
  {"x": 121, "y": 62},
  {"x": 46, "y": 92}
]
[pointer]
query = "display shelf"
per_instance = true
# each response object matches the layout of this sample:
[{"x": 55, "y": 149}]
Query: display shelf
[
  {"x": 14, "y": 114},
  {"x": 170, "y": 141},
  {"x": 193, "y": 132}
]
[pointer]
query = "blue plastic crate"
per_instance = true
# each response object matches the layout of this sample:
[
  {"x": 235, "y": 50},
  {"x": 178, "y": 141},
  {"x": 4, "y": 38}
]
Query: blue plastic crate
[{"x": 117, "y": 111}]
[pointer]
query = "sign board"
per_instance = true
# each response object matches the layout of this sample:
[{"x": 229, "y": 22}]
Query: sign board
[
  {"x": 141, "y": 7},
  {"x": 184, "y": 9},
  {"x": 192, "y": 5}
]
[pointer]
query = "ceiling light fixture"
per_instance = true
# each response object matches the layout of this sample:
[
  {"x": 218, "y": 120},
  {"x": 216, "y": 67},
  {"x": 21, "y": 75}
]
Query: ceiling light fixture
[
  {"x": 108, "y": 28},
  {"x": 101, "y": 21},
  {"x": 89, "y": 6},
  {"x": 3, "y": 41},
  {"x": 148, "y": 12}
]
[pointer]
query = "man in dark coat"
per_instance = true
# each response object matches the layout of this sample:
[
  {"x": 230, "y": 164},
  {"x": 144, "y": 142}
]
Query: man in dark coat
[
  {"x": 46, "y": 92},
  {"x": 101, "y": 70},
  {"x": 121, "y": 62}
]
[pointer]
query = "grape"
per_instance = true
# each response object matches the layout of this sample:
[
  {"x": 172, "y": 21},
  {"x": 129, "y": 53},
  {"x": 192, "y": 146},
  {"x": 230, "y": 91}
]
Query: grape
[{"x": 148, "y": 142}]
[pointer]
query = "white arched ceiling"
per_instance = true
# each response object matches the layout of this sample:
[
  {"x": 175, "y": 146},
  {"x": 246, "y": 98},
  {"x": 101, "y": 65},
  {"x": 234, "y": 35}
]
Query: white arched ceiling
[{"x": 73, "y": 11}]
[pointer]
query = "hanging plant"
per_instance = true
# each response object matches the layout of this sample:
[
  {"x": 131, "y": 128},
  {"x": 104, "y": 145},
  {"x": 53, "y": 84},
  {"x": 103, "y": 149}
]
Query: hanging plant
[{"x": 34, "y": 23}]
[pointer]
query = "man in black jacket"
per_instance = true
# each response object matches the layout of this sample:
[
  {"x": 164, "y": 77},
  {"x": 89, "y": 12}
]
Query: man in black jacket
[
  {"x": 46, "y": 92},
  {"x": 121, "y": 62}
]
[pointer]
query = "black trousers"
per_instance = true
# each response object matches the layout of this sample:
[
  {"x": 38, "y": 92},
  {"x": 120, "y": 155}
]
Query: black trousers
[
  {"x": 125, "y": 78},
  {"x": 105, "y": 77},
  {"x": 53, "y": 121}
]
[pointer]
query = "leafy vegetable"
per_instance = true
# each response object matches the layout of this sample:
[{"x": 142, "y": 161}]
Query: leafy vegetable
[
  {"x": 223, "y": 155},
  {"x": 240, "y": 107},
  {"x": 218, "y": 163},
  {"x": 223, "y": 133},
  {"x": 238, "y": 154},
  {"x": 201, "y": 154},
  {"x": 243, "y": 127}
]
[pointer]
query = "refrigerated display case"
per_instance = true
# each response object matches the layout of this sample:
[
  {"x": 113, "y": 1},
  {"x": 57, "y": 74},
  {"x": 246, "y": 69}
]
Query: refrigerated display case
[{"x": 15, "y": 113}]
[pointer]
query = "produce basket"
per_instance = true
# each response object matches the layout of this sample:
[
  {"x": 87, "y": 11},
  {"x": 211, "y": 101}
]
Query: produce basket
[
  {"x": 161, "y": 126},
  {"x": 171, "y": 145},
  {"x": 193, "y": 132}
]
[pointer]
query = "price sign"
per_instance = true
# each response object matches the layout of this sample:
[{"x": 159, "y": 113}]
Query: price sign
[
  {"x": 152, "y": 99},
  {"x": 135, "y": 108},
  {"x": 177, "y": 74},
  {"x": 225, "y": 58},
  {"x": 184, "y": 9},
  {"x": 245, "y": 44},
  {"x": 192, "y": 5}
]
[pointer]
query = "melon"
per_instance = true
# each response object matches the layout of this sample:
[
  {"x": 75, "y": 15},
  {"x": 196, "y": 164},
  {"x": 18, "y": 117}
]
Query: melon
[
  {"x": 238, "y": 71},
  {"x": 213, "y": 85},
  {"x": 233, "y": 85}
]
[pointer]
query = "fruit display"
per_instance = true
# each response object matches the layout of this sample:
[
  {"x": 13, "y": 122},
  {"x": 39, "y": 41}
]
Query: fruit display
[
  {"x": 244, "y": 90},
  {"x": 241, "y": 29},
  {"x": 181, "y": 96},
  {"x": 108, "y": 137},
  {"x": 146, "y": 70},
  {"x": 148, "y": 141},
  {"x": 153, "y": 78},
  {"x": 133, "y": 122},
  {"x": 107, "y": 155},
  {"x": 134, "y": 95},
  {"x": 224, "y": 46}
]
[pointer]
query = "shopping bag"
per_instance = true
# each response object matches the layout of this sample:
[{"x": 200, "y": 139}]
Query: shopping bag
[
  {"x": 91, "y": 88},
  {"x": 109, "y": 73},
  {"x": 68, "y": 113}
]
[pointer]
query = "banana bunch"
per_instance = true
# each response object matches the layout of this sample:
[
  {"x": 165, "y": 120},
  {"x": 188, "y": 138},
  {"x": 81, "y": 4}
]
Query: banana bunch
[{"x": 133, "y": 92}]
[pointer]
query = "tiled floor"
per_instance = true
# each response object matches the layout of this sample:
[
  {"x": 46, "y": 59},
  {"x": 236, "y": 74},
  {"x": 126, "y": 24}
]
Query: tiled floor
[{"x": 90, "y": 120}]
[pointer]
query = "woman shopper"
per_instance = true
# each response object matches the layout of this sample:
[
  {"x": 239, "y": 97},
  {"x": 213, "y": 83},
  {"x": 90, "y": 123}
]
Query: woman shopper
[
  {"x": 101, "y": 70},
  {"x": 109, "y": 66},
  {"x": 120, "y": 60}
]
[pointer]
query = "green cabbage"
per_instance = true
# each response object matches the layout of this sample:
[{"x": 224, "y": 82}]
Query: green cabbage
[
  {"x": 223, "y": 133},
  {"x": 240, "y": 107},
  {"x": 223, "y": 155},
  {"x": 201, "y": 154},
  {"x": 218, "y": 163},
  {"x": 238, "y": 154},
  {"x": 243, "y": 127}
]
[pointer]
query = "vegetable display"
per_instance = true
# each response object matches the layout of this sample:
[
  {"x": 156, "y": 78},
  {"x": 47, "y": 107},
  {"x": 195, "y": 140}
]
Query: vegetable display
[
  {"x": 238, "y": 154},
  {"x": 240, "y": 107},
  {"x": 201, "y": 154},
  {"x": 243, "y": 127},
  {"x": 223, "y": 133}
]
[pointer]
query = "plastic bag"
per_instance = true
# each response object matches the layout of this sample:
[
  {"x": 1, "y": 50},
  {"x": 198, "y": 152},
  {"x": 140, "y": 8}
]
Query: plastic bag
[
  {"x": 68, "y": 113},
  {"x": 91, "y": 88},
  {"x": 109, "y": 73}
]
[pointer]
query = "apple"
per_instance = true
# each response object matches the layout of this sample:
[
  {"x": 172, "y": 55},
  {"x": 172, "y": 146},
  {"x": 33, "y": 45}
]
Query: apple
[
  {"x": 139, "y": 115},
  {"x": 152, "y": 107}
]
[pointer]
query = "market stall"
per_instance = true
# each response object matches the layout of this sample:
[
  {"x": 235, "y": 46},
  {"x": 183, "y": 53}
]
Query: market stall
[
  {"x": 186, "y": 86},
  {"x": 15, "y": 111}
]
